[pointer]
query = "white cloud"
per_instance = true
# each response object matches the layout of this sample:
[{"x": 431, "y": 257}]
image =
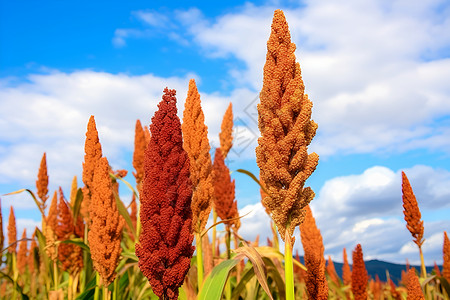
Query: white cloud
[
  {"x": 375, "y": 86},
  {"x": 367, "y": 209}
]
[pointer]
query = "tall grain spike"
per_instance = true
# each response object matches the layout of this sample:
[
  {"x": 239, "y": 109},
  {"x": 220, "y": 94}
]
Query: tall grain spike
[
  {"x": 105, "y": 233},
  {"x": 22, "y": 254},
  {"x": 360, "y": 277},
  {"x": 165, "y": 243},
  {"x": 446, "y": 254},
  {"x": 196, "y": 144},
  {"x": 414, "y": 290},
  {"x": 284, "y": 119},
  {"x": 316, "y": 282},
  {"x": 226, "y": 131},
  {"x": 93, "y": 153},
  {"x": 140, "y": 144},
  {"x": 70, "y": 255},
  {"x": 224, "y": 199},
  {"x": 12, "y": 232},
  {"x": 51, "y": 223},
  {"x": 411, "y": 211},
  {"x": 346, "y": 272},
  {"x": 42, "y": 182}
]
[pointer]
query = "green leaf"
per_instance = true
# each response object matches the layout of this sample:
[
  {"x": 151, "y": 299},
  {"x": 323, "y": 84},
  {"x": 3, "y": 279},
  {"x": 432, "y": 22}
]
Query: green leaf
[
  {"x": 252, "y": 177},
  {"x": 79, "y": 242},
  {"x": 215, "y": 282},
  {"x": 445, "y": 284},
  {"x": 242, "y": 285},
  {"x": 272, "y": 271},
  {"x": 38, "y": 203},
  {"x": 15, "y": 284},
  {"x": 258, "y": 265},
  {"x": 124, "y": 212},
  {"x": 89, "y": 290}
]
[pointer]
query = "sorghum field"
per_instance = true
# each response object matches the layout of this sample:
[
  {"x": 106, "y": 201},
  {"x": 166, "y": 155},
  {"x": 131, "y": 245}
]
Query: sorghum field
[{"x": 91, "y": 246}]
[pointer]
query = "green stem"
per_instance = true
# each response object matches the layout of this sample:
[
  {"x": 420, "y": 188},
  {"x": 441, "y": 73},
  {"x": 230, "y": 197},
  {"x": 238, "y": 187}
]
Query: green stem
[
  {"x": 199, "y": 261},
  {"x": 228, "y": 284},
  {"x": 70, "y": 288},
  {"x": 15, "y": 272},
  {"x": 214, "y": 234},
  {"x": 97, "y": 287},
  {"x": 422, "y": 264},
  {"x": 288, "y": 268},
  {"x": 114, "y": 296},
  {"x": 55, "y": 274},
  {"x": 104, "y": 292}
]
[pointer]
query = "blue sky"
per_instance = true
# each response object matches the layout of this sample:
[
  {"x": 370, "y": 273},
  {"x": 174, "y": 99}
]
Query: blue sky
[{"x": 376, "y": 71}]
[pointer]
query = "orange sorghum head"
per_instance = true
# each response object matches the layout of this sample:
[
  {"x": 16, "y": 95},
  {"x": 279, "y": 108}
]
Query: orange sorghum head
[
  {"x": 316, "y": 282},
  {"x": 284, "y": 119},
  {"x": 22, "y": 254},
  {"x": 165, "y": 243},
  {"x": 224, "y": 200},
  {"x": 446, "y": 254},
  {"x": 226, "y": 131},
  {"x": 196, "y": 144},
  {"x": 359, "y": 275},
  {"x": 411, "y": 211},
  {"x": 93, "y": 152},
  {"x": 414, "y": 290},
  {"x": 105, "y": 232},
  {"x": 346, "y": 272},
  {"x": 42, "y": 181},
  {"x": 138, "y": 155},
  {"x": 12, "y": 231},
  {"x": 70, "y": 255}
]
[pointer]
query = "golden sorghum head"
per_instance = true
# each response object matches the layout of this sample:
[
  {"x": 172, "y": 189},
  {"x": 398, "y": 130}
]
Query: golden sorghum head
[
  {"x": 22, "y": 254},
  {"x": 42, "y": 181},
  {"x": 412, "y": 212},
  {"x": 196, "y": 144},
  {"x": 359, "y": 275},
  {"x": 73, "y": 191},
  {"x": 316, "y": 282},
  {"x": 140, "y": 144},
  {"x": 414, "y": 290},
  {"x": 51, "y": 223},
  {"x": 93, "y": 152},
  {"x": 105, "y": 232},
  {"x": 284, "y": 119},
  {"x": 226, "y": 131},
  {"x": 12, "y": 231},
  {"x": 446, "y": 253}
]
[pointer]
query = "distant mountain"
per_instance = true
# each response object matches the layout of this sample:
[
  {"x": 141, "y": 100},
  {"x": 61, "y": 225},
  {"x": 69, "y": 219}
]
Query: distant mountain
[{"x": 378, "y": 267}]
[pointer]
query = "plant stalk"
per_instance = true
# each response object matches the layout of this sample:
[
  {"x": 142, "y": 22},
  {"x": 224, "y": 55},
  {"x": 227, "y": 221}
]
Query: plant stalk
[
  {"x": 228, "y": 283},
  {"x": 199, "y": 261},
  {"x": 214, "y": 234},
  {"x": 97, "y": 287},
  {"x": 288, "y": 268},
  {"x": 422, "y": 264}
]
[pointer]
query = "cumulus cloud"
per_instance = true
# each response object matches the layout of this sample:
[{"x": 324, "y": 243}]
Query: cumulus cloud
[
  {"x": 348, "y": 211},
  {"x": 375, "y": 86},
  {"x": 367, "y": 208},
  {"x": 49, "y": 113}
]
